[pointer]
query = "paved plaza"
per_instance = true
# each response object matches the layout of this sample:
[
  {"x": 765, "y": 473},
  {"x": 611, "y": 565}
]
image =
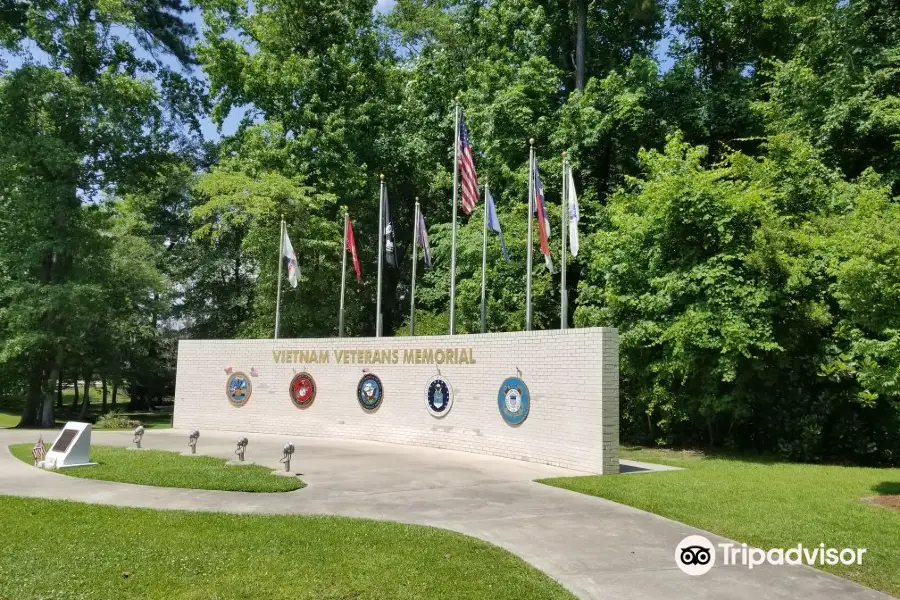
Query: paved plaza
[{"x": 594, "y": 547}]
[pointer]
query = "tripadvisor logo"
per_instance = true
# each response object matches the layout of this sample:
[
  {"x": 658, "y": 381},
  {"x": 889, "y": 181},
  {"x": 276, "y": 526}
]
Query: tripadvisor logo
[{"x": 696, "y": 555}]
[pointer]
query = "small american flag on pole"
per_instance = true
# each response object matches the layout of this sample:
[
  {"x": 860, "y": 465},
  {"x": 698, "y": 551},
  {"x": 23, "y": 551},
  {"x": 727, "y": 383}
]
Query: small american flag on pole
[
  {"x": 38, "y": 450},
  {"x": 468, "y": 176}
]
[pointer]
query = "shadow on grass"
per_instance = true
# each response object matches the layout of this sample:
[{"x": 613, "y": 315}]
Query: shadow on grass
[
  {"x": 746, "y": 456},
  {"x": 688, "y": 453},
  {"x": 887, "y": 488},
  {"x": 160, "y": 419}
]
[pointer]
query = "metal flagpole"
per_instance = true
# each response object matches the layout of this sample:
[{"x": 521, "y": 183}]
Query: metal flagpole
[
  {"x": 343, "y": 276},
  {"x": 484, "y": 262},
  {"x": 564, "y": 293},
  {"x": 453, "y": 245},
  {"x": 412, "y": 293},
  {"x": 278, "y": 293},
  {"x": 530, "y": 228},
  {"x": 380, "y": 257}
]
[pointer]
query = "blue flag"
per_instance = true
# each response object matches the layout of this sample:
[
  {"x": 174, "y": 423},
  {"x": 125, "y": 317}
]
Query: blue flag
[
  {"x": 422, "y": 234},
  {"x": 493, "y": 223}
]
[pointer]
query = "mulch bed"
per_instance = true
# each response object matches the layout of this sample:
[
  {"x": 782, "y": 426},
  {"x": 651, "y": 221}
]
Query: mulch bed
[{"x": 889, "y": 501}]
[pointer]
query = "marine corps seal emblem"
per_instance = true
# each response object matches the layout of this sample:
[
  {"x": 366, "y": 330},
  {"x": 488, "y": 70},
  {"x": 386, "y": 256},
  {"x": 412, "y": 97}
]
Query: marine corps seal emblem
[
  {"x": 438, "y": 396},
  {"x": 369, "y": 392},
  {"x": 513, "y": 400},
  {"x": 238, "y": 388},
  {"x": 303, "y": 389}
]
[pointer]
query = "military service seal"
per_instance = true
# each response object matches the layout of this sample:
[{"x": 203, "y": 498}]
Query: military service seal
[
  {"x": 513, "y": 400},
  {"x": 303, "y": 389},
  {"x": 438, "y": 396},
  {"x": 238, "y": 388},
  {"x": 369, "y": 392}
]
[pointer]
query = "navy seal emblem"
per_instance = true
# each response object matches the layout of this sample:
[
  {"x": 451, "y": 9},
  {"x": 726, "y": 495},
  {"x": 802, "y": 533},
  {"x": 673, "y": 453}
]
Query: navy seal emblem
[
  {"x": 238, "y": 388},
  {"x": 303, "y": 389},
  {"x": 369, "y": 392},
  {"x": 438, "y": 396},
  {"x": 513, "y": 400}
]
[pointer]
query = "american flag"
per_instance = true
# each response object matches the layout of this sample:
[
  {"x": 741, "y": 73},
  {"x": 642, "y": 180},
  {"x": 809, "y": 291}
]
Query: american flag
[
  {"x": 38, "y": 450},
  {"x": 468, "y": 176}
]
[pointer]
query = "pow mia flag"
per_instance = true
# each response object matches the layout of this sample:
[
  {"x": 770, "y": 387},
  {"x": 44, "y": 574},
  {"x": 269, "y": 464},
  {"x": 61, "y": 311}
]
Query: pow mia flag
[{"x": 391, "y": 252}]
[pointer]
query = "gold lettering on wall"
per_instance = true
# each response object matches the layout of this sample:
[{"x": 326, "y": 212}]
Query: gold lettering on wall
[{"x": 387, "y": 356}]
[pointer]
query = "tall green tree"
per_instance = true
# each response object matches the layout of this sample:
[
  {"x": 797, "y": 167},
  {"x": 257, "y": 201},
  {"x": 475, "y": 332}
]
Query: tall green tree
[{"x": 75, "y": 129}]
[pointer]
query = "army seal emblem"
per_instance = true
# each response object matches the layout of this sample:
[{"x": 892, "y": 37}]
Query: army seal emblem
[{"x": 238, "y": 388}]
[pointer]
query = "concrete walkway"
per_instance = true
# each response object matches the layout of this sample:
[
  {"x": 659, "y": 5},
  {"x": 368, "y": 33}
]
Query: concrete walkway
[{"x": 594, "y": 547}]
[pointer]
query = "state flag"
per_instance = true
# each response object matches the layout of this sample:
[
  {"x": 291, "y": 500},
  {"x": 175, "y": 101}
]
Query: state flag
[
  {"x": 493, "y": 222},
  {"x": 540, "y": 209}
]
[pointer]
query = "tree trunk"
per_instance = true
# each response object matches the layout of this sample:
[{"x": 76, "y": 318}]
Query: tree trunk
[
  {"x": 115, "y": 392},
  {"x": 47, "y": 417},
  {"x": 86, "y": 397},
  {"x": 75, "y": 385},
  {"x": 59, "y": 386},
  {"x": 33, "y": 398},
  {"x": 104, "y": 395},
  {"x": 579, "y": 44}
]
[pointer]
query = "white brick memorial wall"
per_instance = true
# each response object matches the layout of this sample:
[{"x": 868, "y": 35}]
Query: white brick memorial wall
[{"x": 572, "y": 378}]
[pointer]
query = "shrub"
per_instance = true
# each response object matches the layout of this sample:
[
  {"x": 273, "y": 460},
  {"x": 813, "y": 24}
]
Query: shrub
[{"x": 115, "y": 419}]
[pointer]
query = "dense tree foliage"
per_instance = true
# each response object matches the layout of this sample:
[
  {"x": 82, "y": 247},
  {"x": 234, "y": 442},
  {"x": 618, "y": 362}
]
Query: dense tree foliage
[{"x": 738, "y": 195}]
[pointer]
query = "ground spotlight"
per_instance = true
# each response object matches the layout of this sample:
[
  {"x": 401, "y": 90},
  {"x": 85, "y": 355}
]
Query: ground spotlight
[
  {"x": 286, "y": 459},
  {"x": 192, "y": 441},
  {"x": 241, "y": 448}
]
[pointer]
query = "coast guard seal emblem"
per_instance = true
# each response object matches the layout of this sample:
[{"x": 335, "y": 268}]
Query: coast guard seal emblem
[
  {"x": 303, "y": 390},
  {"x": 238, "y": 388},
  {"x": 369, "y": 392},
  {"x": 513, "y": 400},
  {"x": 438, "y": 396}
]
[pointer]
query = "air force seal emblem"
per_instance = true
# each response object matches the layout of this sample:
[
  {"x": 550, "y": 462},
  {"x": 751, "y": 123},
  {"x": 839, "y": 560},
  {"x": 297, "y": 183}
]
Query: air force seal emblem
[
  {"x": 303, "y": 390},
  {"x": 513, "y": 400},
  {"x": 438, "y": 396},
  {"x": 238, "y": 388},
  {"x": 369, "y": 392}
]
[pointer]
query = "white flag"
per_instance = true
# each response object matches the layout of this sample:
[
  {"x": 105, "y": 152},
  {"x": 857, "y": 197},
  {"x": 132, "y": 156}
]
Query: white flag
[
  {"x": 573, "y": 216},
  {"x": 288, "y": 251}
]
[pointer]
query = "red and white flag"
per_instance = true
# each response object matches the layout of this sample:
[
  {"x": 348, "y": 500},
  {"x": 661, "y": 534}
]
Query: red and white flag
[
  {"x": 540, "y": 209},
  {"x": 468, "y": 176},
  {"x": 351, "y": 246},
  {"x": 38, "y": 450}
]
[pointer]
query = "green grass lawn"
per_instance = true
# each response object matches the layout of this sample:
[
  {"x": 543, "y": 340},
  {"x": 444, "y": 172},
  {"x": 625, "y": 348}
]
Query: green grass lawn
[
  {"x": 768, "y": 505},
  {"x": 10, "y": 411},
  {"x": 171, "y": 469},
  {"x": 64, "y": 550},
  {"x": 8, "y": 419}
]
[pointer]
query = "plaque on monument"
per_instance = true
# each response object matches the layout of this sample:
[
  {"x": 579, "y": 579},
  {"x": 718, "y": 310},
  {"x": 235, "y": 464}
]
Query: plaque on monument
[
  {"x": 64, "y": 440},
  {"x": 71, "y": 448}
]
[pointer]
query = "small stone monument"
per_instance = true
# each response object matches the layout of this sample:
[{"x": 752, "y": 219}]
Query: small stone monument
[{"x": 71, "y": 448}]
